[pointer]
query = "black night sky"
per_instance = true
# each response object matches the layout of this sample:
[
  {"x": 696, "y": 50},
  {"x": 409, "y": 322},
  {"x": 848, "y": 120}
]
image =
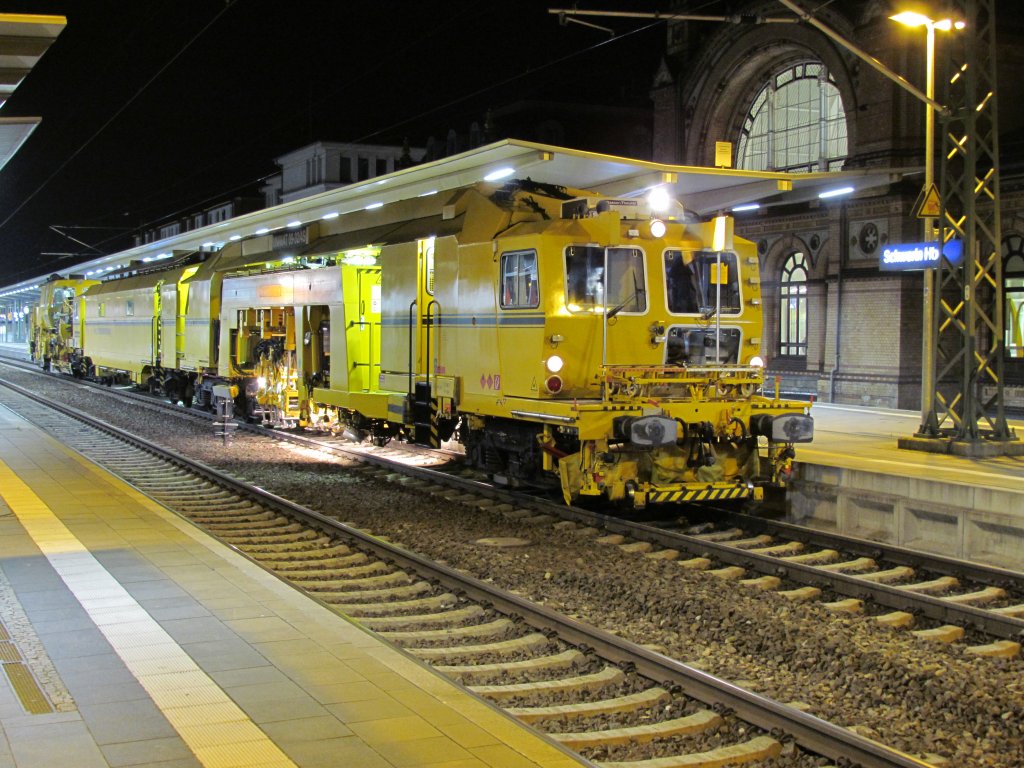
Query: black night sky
[{"x": 153, "y": 108}]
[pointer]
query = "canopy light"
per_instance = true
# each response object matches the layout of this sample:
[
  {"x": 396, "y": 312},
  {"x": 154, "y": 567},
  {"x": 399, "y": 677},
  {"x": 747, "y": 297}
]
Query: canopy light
[
  {"x": 835, "y": 192},
  {"x": 746, "y": 207},
  {"x": 235, "y": 237},
  {"x": 294, "y": 224},
  {"x": 208, "y": 244},
  {"x": 427, "y": 194},
  {"x": 360, "y": 257},
  {"x": 329, "y": 216},
  {"x": 500, "y": 173},
  {"x": 659, "y": 199},
  {"x": 373, "y": 206},
  {"x": 262, "y": 230}
]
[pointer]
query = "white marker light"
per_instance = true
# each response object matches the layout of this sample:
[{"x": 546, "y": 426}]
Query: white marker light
[
  {"x": 554, "y": 363},
  {"x": 658, "y": 228},
  {"x": 757, "y": 361}
]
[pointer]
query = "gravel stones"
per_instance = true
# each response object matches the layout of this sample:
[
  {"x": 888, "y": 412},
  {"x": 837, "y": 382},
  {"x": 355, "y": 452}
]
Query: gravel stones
[{"x": 920, "y": 697}]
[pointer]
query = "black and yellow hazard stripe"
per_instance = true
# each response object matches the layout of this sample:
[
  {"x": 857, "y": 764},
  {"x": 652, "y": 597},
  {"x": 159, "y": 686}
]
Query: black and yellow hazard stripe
[
  {"x": 435, "y": 437},
  {"x": 699, "y": 494}
]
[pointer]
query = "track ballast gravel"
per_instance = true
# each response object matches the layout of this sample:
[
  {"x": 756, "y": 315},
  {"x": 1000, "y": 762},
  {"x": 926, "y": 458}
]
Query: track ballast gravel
[{"x": 923, "y": 698}]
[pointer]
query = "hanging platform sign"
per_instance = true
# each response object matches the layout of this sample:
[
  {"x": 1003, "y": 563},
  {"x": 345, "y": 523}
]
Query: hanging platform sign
[{"x": 904, "y": 257}]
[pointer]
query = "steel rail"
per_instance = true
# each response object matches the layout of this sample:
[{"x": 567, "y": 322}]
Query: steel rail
[
  {"x": 996, "y": 625},
  {"x": 937, "y": 609},
  {"x": 812, "y": 733}
]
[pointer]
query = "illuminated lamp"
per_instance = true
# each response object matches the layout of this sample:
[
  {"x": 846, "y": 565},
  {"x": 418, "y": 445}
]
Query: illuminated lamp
[
  {"x": 657, "y": 228},
  {"x": 500, "y": 173},
  {"x": 261, "y": 382},
  {"x": 757, "y": 361},
  {"x": 553, "y": 384},
  {"x": 658, "y": 199},
  {"x": 554, "y": 363}
]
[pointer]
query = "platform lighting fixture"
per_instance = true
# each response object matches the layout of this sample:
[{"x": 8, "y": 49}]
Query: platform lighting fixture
[
  {"x": 837, "y": 192},
  {"x": 500, "y": 173},
  {"x": 914, "y": 20},
  {"x": 746, "y": 207},
  {"x": 329, "y": 216},
  {"x": 262, "y": 230},
  {"x": 293, "y": 224},
  {"x": 208, "y": 244},
  {"x": 659, "y": 199},
  {"x": 427, "y": 193},
  {"x": 373, "y": 206},
  {"x": 235, "y": 237}
]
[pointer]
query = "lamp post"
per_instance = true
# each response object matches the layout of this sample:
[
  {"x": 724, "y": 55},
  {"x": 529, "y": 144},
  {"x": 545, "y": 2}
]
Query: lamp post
[{"x": 929, "y": 425}]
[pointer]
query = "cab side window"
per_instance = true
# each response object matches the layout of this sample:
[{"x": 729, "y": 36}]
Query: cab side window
[{"x": 519, "y": 286}]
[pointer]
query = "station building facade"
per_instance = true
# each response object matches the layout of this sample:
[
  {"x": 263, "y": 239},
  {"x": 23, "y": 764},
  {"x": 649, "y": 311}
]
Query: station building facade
[{"x": 789, "y": 98}]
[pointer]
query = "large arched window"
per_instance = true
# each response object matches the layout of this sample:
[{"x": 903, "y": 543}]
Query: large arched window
[
  {"x": 793, "y": 306},
  {"x": 796, "y": 123},
  {"x": 1013, "y": 289}
]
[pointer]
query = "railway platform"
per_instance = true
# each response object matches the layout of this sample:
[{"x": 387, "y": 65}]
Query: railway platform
[
  {"x": 853, "y": 479},
  {"x": 131, "y": 638},
  {"x": 19, "y": 350}
]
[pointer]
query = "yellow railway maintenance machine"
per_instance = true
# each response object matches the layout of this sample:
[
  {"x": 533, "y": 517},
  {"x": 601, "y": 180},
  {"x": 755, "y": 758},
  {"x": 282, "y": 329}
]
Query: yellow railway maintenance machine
[{"x": 560, "y": 314}]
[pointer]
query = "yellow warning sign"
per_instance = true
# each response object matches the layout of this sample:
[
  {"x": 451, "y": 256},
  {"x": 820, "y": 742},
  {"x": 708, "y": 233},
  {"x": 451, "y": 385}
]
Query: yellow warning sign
[{"x": 928, "y": 203}]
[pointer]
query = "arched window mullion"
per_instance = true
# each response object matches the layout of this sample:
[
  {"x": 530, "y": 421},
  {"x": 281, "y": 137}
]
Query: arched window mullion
[
  {"x": 793, "y": 306},
  {"x": 790, "y": 125}
]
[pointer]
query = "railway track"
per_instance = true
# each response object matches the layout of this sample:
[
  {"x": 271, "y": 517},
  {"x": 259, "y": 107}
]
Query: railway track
[
  {"x": 902, "y": 588},
  {"x": 590, "y": 690}
]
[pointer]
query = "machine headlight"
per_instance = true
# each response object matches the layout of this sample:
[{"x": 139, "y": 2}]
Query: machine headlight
[
  {"x": 757, "y": 361},
  {"x": 554, "y": 363},
  {"x": 658, "y": 228}
]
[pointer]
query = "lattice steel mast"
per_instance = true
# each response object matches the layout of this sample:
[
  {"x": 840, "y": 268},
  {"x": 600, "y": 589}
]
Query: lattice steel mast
[{"x": 967, "y": 318}]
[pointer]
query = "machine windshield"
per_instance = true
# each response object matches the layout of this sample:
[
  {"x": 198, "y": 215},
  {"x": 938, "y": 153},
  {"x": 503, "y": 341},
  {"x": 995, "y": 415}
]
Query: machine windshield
[
  {"x": 692, "y": 279},
  {"x": 585, "y": 283}
]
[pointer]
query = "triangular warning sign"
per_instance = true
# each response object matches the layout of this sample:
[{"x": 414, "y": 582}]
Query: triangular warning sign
[{"x": 928, "y": 207}]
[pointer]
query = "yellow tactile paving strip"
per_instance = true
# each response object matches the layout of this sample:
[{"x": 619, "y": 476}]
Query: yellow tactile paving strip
[{"x": 185, "y": 694}]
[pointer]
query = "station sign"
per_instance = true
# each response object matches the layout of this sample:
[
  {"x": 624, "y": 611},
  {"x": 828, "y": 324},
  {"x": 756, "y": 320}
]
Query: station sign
[{"x": 905, "y": 257}]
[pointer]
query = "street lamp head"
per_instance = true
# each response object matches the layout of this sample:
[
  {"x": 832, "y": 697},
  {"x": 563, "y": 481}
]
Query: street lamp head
[
  {"x": 911, "y": 19},
  {"x": 914, "y": 19}
]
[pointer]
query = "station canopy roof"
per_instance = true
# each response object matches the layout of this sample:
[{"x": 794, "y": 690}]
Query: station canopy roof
[
  {"x": 23, "y": 40},
  {"x": 705, "y": 191}
]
